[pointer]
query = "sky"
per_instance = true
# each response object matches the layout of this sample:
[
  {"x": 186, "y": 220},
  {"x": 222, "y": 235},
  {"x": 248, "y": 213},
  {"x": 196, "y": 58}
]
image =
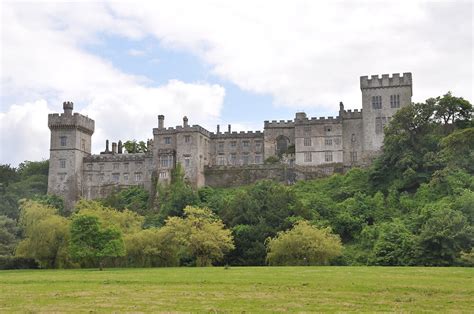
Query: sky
[{"x": 123, "y": 63}]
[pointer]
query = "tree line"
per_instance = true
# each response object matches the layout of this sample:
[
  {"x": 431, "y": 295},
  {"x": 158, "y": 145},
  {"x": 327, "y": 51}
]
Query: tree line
[{"x": 413, "y": 206}]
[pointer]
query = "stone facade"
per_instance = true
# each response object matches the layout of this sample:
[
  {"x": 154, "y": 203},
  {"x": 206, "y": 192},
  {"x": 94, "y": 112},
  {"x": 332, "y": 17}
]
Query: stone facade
[{"x": 307, "y": 147}]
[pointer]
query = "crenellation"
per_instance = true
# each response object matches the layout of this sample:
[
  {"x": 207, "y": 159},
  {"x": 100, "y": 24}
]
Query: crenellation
[{"x": 386, "y": 81}]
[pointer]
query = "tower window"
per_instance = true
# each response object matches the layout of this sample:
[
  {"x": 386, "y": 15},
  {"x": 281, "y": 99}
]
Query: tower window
[
  {"x": 125, "y": 176},
  {"x": 377, "y": 102},
  {"x": 394, "y": 101},
  {"x": 220, "y": 146},
  {"x": 233, "y": 144},
  {"x": 83, "y": 144},
  {"x": 233, "y": 159},
  {"x": 116, "y": 166},
  {"x": 245, "y": 143},
  {"x": 138, "y": 176},
  {"x": 166, "y": 161},
  {"x": 115, "y": 177},
  {"x": 308, "y": 157},
  {"x": 245, "y": 159},
  {"x": 328, "y": 142},
  {"x": 167, "y": 140},
  {"x": 380, "y": 123},
  {"x": 221, "y": 160},
  {"x": 62, "y": 163},
  {"x": 63, "y": 140},
  {"x": 187, "y": 138},
  {"x": 337, "y": 141},
  {"x": 328, "y": 156},
  {"x": 258, "y": 159},
  {"x": 163, "y": 175},
  {"x": 187, "y": 161},
  {"x": 307, "y": 141}
]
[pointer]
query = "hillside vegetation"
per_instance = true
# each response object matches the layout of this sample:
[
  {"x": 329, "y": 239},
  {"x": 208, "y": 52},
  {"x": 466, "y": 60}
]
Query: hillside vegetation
[{"x": 413, "y": 206}]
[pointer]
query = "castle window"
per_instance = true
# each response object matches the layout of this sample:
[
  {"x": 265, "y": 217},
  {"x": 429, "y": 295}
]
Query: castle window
[
  {"x": 353, "y": 138},
  {"x": 327, "y": 156},
  {"x": 328, "y": 142},
  {"x": 168, "y": 140},
  {"x": 233, "y": 159},
  {"x": 233, "y": 144},
  {"x": 308, "y": 157},
  {"x": 307, "y": 141},
  {"x": 101, "y": 177},
  {"x": 258, "y": 159},
  {"x": 245, "y": 159},
  {"x": 394, "y": 101},
  {"x": 138, "y": 176},
  {"x": 115, "y": 177},
  {"x": 221, "y": 160},
  {"x": 116, "y": 166},
  {"x": 138, "y": 164},
  {"x": 125, "y": 176},
  {"x": 62, "y": 163},
  {"x": 163, "y": 175},
  {"x": 63, "y": 140},
  {"x": 377, "y": 102},
  {"x": 83, "y": 144},
  {"x": 245, "y": 143},
  {"x": 187, "y": 138},
  {"x": 353, "y": 156},
  {"x": 125, "y": 166},
  {"x": 187, "y": 161},
  {"x": 258, "y": 145},
  {"x": 166, "y": 161},
  {"x": 220, "y": 146}
]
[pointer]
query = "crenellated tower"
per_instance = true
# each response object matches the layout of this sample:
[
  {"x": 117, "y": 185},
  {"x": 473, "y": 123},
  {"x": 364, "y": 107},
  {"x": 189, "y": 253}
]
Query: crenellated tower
[
  {"x": 70, "y": 142},
  {"x": 381, "y": 98}
]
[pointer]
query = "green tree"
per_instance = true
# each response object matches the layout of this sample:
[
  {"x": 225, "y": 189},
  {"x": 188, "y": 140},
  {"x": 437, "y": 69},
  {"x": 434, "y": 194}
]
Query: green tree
[
  {"x": 202, "y": 235},
  {"x": 134, "y": 198},
  {"x": 8, "y": 235},
  {"x": 303, "y": 245},
  {"x": 133, "y": 147},
  {"x": 89, "y": 240},
  {"x": 46, "y": 235}
]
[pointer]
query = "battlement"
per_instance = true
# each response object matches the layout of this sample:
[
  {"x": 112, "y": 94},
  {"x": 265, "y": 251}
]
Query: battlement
[
  {"x": 180, "y": 129},
  {"x": 279, "y": 124},
  {"x": 386, "y": 81},
  {"x": 116, "y": 157},
  {"x": 71, "y": 121},
  {"x": 352, "y": 114},
  {"x": 318, "y": 120},
  {"x": 241, "y": 134}
]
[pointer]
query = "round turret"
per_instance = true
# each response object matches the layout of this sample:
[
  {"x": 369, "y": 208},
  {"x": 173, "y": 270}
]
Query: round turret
[{"x": 68, "y": 106}]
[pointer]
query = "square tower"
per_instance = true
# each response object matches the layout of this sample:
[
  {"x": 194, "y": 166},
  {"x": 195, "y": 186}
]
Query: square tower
[
  {"x": 381, "y": 98},
  {"x": 70, "y": 142}
]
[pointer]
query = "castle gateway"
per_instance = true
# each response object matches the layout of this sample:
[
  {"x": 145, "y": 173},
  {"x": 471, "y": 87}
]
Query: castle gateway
[{"x": 301, "y": 148}]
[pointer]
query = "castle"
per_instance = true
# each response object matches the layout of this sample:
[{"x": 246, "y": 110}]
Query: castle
[{"x": 305, "y": 147}]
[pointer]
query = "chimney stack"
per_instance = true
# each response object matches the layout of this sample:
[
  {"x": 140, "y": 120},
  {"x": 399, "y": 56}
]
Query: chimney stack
[
  {"x": 120, "y": 147},
  {"x": 229, "y": 128},
  {"x": 114, "y": 148},
  {"x": 185, "y": 121},
  {"x": 161, "y": 121},
  {"x": 107, "y": 146},
  {"x": 218, "y": 129}
]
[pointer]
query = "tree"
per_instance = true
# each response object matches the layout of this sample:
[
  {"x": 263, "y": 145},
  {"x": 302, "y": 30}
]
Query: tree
[
  {"x": 303, "y": 245},
  {"x": 444, "y": 235},
  {"x": 451, "y": 110},
  {"x": 202, "y": 235},
  {"x": 46, "y": 235},
  {"x": 8, "y": 235},
  {"x": 89, "y": 240},
  {"x": 134, "y": 198},
  {"x": 133, "y": 147}
]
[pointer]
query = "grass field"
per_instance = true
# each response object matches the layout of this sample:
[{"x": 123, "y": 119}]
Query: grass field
[{"x": 250, "y": 289}]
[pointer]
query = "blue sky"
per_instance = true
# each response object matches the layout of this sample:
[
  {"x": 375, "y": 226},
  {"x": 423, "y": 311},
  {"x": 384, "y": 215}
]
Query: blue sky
[{"x": 240, "y": 62}]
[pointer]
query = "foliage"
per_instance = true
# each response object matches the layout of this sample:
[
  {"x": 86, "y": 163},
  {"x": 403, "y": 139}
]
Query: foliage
[
  {"x": 90, "y": 240},
  {"x": 13, "y": 262},
  {"x": 202, "y": 235},
  {"x": 46, "y": 235},
  {"x": 133, "y": 147},
  {"x": 303, "y": 245},
  {"x": 8, "y": 235},
  {"x": 272, "y": 160},
  {"x": 134, "y": 198}
]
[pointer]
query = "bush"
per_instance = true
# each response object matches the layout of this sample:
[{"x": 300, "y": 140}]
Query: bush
[{"x": 11, "y": 262}]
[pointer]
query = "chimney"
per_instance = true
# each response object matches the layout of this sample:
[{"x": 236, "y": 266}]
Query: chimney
[
  {"x": 120, "y": 147},
  {"x": 114, "y": 148},
  {"x": 161, "y": 121},
  {"x": 185, "y": 121},
  {"x": 229, "y": 128},
  {"x": 300, "y": 116},
  {"x": 68, "y": 106},
  {"x": 218, "y": 129},
  {"x": 341, "y": 108}
]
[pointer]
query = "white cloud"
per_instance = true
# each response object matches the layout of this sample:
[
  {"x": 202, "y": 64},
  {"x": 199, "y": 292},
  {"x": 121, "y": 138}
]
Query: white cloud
[
  {"x": 306, "y": 54},
  {"x": 136, "y": 52}
]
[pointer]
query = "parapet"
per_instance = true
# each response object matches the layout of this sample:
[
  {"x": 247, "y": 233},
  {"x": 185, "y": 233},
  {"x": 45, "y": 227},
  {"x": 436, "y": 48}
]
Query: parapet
[
  {"x": 386, "y": 81},
  {"x": 279, "y": 124},
  {"x": 71, "y": 121},
  {"x": 351, "y": 114},
  {"x": 116, "y": 157},
  {"x": 179, "y": 129},
  {"x": 241, "y": 134}
]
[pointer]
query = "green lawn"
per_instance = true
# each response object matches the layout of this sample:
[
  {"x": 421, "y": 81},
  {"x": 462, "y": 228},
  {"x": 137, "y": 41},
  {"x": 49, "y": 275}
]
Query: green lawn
[{"x": 250, "y": 289}]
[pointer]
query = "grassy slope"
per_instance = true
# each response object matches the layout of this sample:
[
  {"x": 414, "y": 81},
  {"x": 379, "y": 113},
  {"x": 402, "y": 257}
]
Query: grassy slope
[{"x": 254, "y": 289}]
